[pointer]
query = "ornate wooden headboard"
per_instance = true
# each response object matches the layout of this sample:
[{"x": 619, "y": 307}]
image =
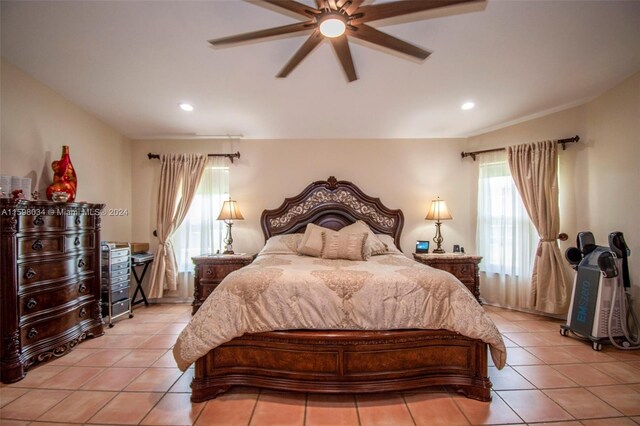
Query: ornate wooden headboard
[{"x": 333, "y": 204}]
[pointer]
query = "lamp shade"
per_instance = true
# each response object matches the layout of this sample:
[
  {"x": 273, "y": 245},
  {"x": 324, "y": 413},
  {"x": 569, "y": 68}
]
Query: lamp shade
[
  {"x": 438, "y": 211},
  {"x": 230, "y": 211}
]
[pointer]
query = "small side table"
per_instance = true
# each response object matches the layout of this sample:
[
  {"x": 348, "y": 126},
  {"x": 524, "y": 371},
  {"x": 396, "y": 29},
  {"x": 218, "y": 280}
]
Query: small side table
[
  {"x": 463, "y": 266},
  {"x": 144, "y": 260},
  {"x": 211, "y": 270}
]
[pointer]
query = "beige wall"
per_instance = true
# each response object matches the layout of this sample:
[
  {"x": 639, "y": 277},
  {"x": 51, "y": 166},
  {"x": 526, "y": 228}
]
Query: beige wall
[
  {"x": 36, "y": 122},
  {"x": 405, "y": 174},
  {"x": 600, "y": 176}
]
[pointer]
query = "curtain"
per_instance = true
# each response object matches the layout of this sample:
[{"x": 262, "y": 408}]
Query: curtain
[
  {"x": 179, "y": 178},
  {"x": 200, "y": 233},
  {"x": 534, "y": 168},
  {"x": 505, "y": 237}
]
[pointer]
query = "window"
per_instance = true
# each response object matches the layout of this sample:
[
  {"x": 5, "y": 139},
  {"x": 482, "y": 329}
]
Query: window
[
  {"x": 200, "y": 232},
  {"x": 505, "y": 238}
]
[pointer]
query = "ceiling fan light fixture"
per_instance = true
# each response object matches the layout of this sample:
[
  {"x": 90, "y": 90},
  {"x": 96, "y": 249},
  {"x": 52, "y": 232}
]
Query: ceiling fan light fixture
[{"x": 333, "y": 26}]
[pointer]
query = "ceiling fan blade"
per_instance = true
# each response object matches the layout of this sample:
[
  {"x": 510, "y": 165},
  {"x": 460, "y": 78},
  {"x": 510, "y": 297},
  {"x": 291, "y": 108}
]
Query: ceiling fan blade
[
  {"x": 320, "y": 4},
  {"x": 302, "y": 53},
  {"x": 270, "y": 32},
  {"x": 372, "y": 35},
  {"x": 293, "y": 6},
  {"x": 341, "y": 46},
  {"x": 352, "y": 7},
  {"x": 398, "y": 8}
]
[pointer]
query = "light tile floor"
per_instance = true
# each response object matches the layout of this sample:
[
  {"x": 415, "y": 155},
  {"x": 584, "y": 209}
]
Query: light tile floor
[{"x": 128, "y": 376}]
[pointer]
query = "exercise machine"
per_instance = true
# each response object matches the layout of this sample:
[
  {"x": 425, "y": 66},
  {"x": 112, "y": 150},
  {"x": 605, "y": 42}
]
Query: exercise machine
[{"x": 601, "y": 307}]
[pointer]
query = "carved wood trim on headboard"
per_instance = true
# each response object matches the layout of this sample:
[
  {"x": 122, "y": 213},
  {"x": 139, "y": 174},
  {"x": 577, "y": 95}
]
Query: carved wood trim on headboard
[{"x": 333, "y": 204}]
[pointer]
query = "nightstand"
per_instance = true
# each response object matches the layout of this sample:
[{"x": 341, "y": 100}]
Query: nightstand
[
  {"x": 463, "y": 266},
  {"x": 211, "y": 270}
]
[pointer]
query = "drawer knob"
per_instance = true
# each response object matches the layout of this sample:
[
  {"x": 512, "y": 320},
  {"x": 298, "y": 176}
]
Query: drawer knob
[
  {"x": 83, "y": 312},
  {"x": 39, "y": 221},
  {"x": 82, "y": 288},
  {"x": 30, "y": 273},
  {"x": 208, "y": 271},
  {"x": 463, "y": 269},
  {"x": 77, "y": 220},
  {"x": 76, "y": 241},
  {"x": 81, "y": 263},
  {"x": 31, "y": 303},
  {"x": 37, "y": 245},
  {"x": 32, "y": 333}
]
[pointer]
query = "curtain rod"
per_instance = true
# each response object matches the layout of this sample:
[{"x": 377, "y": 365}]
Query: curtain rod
[
  {"x": 563, "y": 142},
  {"x": 229, "y": 156}
]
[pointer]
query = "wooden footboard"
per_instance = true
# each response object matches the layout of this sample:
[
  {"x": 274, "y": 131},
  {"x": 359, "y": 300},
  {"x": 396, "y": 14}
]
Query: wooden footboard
[{"x": 345, "y": 362}]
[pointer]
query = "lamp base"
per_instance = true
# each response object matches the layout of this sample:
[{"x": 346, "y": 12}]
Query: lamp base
[
  {"x": 228, "y": 252},
  {"x": 438, "y": 239}
]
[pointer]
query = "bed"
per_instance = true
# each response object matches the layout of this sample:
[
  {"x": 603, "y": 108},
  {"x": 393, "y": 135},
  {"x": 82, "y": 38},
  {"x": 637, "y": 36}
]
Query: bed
[{"x": 352, "y": 355}]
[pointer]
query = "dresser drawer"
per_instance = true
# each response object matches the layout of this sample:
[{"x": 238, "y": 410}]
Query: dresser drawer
[
  {"x": 54, "y": 324},
  {"x": 117, "y": 295},
  {"x": 463, "y": 271},
  {"x": 32, "y": 303},
  {"x": 85, "y": 220},
  {"x": 116, "y": 255},
  {"x": 79, "y": 242},
  {"x": 117, "y": 308},
  {"x": 117, "y": 266},
  {"x": 51, "y": 245},
  {"x": 118, "y": 274},
  {"x": 41, "y": 223},
  {"x": 115, "y": 281},
  {"x": 216, "y": 272},
  {"x": 40, "y": 246},
  {"x": 30, "y": 273}
]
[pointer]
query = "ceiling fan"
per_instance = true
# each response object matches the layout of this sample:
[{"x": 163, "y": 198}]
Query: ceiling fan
[{"x": 336, "y": 20}]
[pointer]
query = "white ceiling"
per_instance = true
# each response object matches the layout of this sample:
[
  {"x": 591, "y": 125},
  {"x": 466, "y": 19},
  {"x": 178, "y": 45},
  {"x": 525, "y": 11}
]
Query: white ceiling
[{"x": 131, "y": 62}]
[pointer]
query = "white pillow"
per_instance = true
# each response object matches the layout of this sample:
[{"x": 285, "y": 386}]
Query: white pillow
[
  {"x": 312, "y": 242},
  {"x": 389, "y": 242},
  {"x": 375, "y": 244},
  {"x": 282, "y": 244}
]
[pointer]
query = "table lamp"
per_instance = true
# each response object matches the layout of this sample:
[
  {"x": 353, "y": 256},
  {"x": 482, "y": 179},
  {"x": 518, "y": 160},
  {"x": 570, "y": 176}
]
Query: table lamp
[
  {"x": 229, "y": 213},
  {"x": 438, "y": 212}
]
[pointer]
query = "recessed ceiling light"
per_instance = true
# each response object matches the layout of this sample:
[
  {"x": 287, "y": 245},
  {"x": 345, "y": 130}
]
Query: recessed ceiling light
[
  {"x": 186, "y": 107},
  {"x": 467, "y": 106}
]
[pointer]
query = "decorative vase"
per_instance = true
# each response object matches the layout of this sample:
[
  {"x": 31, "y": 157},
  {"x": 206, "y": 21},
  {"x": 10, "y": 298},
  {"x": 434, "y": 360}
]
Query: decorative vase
[{"x": 64, "y": 177}]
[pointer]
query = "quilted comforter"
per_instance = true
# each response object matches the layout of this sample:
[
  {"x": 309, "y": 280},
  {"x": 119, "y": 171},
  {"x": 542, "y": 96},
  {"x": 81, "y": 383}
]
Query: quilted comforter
[{"x": 287, "y": 292}]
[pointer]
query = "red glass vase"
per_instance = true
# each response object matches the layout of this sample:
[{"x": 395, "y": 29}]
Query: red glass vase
[{"x": 64, "y": 177}]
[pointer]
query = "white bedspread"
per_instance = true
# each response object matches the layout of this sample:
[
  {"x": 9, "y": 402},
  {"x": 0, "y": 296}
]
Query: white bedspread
[{"x": 287, "y": 292}]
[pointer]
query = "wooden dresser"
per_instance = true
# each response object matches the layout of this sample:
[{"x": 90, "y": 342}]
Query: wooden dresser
[
  {"x": 211, "y": 270},
  {"x": 49, "y": 281},
  {"x": 463, "y": 266}
]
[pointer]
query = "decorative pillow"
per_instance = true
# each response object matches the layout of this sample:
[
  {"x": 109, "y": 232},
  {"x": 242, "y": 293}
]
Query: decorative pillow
[
  {"x": 349, "y": 246},
  {"x": 376, "y": 245},
  {"x": 282, "y": 244},
  {"x": 389, "y": 242},
  {"x": 311, "y": 244}
]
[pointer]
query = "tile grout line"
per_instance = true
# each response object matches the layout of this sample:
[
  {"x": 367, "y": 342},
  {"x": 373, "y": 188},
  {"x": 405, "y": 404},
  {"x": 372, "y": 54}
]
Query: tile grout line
[
  {"x": 460, "y": 408},
  {"x": 408, "y": 408},
  {"x": 255, "y": 404},
  {"x": 355, "y": 404},
  {"x": 306, "y": 401},
  {"x": 165, "y": 393},
  {"x": 590, "y": 418}
]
